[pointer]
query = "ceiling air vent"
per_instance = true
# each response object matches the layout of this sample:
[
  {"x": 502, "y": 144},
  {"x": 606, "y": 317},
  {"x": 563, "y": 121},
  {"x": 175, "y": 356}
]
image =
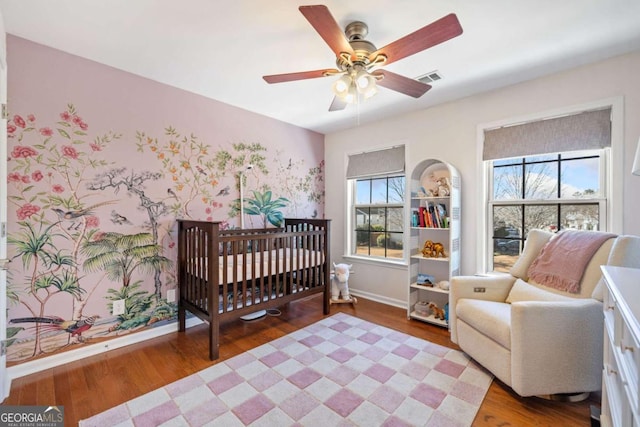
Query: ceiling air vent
[{"x": 430, "y": 77}]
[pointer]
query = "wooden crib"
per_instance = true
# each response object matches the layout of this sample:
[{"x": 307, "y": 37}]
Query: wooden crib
[{"x": 226, "y": 274}]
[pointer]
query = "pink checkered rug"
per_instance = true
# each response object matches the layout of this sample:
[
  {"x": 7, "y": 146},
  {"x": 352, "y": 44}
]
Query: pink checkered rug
[{"x": 340, "y": 371}]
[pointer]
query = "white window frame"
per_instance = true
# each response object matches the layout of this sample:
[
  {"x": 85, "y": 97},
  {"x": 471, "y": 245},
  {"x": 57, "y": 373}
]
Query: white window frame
[
  {"x": 612, "y": 173},
  {"x": 351, "y": 223},
  {"x": 604, "y": 160}
]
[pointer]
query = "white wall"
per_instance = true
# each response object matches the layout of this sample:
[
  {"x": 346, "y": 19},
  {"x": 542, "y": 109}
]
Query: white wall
[{"x": 449, "y": 132}]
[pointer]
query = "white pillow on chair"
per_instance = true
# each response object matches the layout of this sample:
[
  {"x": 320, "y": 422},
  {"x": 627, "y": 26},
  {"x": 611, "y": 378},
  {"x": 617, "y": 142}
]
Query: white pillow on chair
[{"x": 536, "y": 239}]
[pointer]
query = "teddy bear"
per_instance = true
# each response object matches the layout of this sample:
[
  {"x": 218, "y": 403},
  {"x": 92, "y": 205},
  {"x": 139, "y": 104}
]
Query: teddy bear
[
  {"x": 442, "y": 189},
  {"x": 438, "y": 313},
  {"x": 340, "y": 282}
]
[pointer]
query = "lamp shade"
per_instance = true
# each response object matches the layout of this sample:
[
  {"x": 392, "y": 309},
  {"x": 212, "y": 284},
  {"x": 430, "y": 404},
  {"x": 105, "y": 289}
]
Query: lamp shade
[{"x": 636, "y": 161}]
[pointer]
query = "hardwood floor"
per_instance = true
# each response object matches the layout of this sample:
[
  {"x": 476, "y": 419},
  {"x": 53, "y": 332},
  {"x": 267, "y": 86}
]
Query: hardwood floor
[{"x": 94, "y": 384}]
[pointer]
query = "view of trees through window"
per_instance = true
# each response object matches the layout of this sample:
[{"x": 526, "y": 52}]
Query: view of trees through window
[
  {"x": 550, "y": 192},
  {"x": 379, "y": 217}
]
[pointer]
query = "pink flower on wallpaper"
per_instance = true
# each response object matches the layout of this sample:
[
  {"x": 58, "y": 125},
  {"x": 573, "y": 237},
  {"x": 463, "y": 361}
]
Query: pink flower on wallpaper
[
  {"x": 46, "y": 131},
  {"x": 69, "y": 151},
  {"x": 207, "y": 210},
  {"x": 21, "y": 151},
  {"x": 77, "y": 120},
  {"x": 11, "y": 128},
  {"x": 57, "y": 188},
  {"x": 95, "y": 147},
  {"x": 37, "y": 176},
  {"x": 13, "y": 177},
  {"x": 65, "y": 116},
  {"x": 19, "y": 121},
  {"x": 25, "y": 178},
  {"x": 31, "y": 118},
  {"x": 172, "y": 245},
  {"x": 93, "y": 221},
  {"x": 27, "y": 210}
]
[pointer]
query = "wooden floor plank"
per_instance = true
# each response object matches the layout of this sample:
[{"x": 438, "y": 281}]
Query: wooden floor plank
[{"x": 92, "y": 385}]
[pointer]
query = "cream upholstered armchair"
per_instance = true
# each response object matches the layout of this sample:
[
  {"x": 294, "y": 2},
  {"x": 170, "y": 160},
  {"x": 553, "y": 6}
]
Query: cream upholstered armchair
[{"x": 539, "y": 340}]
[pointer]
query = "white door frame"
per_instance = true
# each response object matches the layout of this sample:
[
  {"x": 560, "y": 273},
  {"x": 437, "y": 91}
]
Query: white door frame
[{"x": 5, "y": 381}]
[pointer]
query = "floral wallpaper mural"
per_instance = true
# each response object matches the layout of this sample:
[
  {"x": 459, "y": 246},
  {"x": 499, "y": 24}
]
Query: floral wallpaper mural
[{"x": 92, "y": 216}]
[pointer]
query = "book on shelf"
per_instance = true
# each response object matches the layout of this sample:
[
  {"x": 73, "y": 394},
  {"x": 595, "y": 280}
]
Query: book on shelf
[
  {"x": 421, "y": 216},
  {"x": 415, "y": 218}
]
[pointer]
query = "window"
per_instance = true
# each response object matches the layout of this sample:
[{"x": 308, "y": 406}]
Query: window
[
  {"x": 547, "y": 173},
  {"x": 378, "y": 217},
  {"x": 550, "y": 192}
]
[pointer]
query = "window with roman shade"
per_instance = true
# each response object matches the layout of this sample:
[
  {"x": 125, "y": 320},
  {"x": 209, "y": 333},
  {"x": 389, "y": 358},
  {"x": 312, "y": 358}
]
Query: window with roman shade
[
  {"x": 377, "y": 186},
  {"x": 546, "y": 174}
]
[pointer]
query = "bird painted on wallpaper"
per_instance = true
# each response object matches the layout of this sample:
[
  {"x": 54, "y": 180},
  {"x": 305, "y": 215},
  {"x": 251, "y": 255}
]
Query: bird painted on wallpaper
[
  {"x": 54, "y": 323},
  {"x": 172, "y": 193},
  {"x": 78, "y": 213},
  {"x": 73, "y": 215},
  {"x": 223, "y": 192},
  {"x": 201, "y": 170},
  {"x": 116, "y": 218}
]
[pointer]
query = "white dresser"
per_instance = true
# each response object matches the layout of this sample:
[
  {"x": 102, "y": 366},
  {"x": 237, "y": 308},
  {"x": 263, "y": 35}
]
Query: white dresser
[{"x": 620, "y": 386}]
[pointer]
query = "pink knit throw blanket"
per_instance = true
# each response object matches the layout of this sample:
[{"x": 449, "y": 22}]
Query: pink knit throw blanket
[{"x": 562, "y": 261}]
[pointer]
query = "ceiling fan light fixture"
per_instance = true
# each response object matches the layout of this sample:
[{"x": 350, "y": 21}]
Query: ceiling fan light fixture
[
  {"x": 342, "y": 85},
  {"x": 370, "y": 91},
  {"x": 364, "y": 80},
  {"x": 350, "y": 85},
  {"x": 366, "y": 84},
  {"x": 350, "y": 96}
]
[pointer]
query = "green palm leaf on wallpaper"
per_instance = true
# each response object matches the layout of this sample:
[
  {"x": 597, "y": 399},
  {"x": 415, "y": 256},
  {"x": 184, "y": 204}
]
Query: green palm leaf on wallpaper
[
  {"x": 267, "y": 209},
  {"x": 119, "y": 255}
]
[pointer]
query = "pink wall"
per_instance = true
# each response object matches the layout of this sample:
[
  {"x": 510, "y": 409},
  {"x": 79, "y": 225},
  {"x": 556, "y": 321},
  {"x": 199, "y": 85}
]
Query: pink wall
[{"x": 76, "y": 128}]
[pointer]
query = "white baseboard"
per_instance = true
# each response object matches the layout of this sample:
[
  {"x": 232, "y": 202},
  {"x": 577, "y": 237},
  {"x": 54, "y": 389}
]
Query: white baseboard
[
  {"x": 28, "y": 368},
  {"x": 379, "y": 298}
]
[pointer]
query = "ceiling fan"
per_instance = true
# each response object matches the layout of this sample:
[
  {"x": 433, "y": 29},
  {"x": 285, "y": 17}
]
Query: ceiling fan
[{"x": 359, "y": 62}]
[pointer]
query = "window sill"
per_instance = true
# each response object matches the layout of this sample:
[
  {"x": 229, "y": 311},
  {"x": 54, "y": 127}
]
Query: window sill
[{"x": 382, "y": 262}]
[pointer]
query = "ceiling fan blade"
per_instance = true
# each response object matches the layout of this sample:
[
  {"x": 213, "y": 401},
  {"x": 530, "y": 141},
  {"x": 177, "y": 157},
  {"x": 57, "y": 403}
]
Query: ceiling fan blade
[
  {"x": 402, "y": 84},
  {"x": 302, "y": 75},
  {"x": 321, "y": 19},
  {"x": 433, "y": 34},
  {"x": 337, "y": 104}
]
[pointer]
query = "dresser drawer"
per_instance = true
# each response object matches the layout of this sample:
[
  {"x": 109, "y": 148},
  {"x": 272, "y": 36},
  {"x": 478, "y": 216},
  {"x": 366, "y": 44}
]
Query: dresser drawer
[
  {"x": 611, "y": 313},
  {"x": 616, "y": 406},
  {"x": 628, "y": 350}
]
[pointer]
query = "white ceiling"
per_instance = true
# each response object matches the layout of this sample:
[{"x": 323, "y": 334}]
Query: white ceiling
[{"x": 222, "y": 48}]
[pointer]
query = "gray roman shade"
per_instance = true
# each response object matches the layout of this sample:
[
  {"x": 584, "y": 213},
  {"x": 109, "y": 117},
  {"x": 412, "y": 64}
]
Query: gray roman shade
[
  {"x": 584, "y": 131},
  {"x": 376, "y": 163}
]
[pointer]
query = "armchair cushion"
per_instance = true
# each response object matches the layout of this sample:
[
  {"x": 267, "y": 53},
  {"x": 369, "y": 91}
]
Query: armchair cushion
[
  {"x": 490, "y": 318},
  {"x": 523, "y": 291},
  {"x": 624, "y": 253}
]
